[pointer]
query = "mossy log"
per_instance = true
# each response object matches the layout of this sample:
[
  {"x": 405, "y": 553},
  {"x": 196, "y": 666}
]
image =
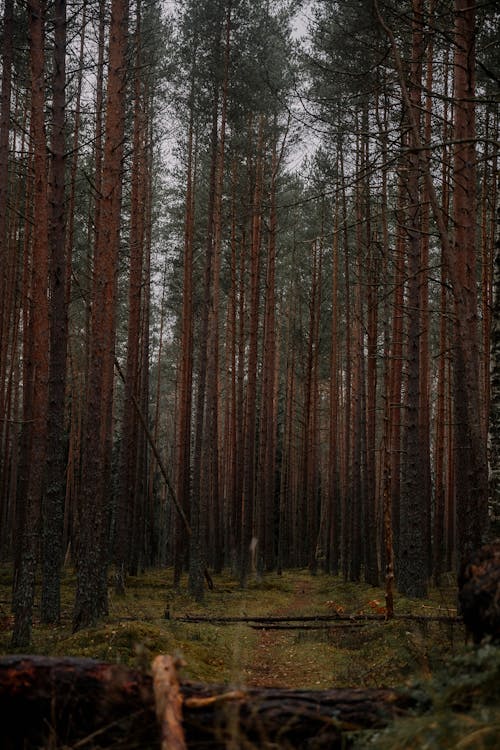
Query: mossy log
[{"x": 90, "y": 704}]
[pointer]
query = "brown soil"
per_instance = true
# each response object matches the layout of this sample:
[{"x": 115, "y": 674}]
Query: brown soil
[{"x": 265, "y": 670}]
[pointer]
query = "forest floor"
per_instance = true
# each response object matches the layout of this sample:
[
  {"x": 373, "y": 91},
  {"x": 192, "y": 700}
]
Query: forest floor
[
  {"x": 274, "y": 663},
  {"x": 371, "y": 654},
  {"x": 461, "y": 683}
]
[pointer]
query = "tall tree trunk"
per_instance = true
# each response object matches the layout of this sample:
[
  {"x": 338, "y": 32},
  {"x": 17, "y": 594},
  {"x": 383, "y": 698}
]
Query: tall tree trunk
[
  {"x": 396, "y": 368},
  {"x": 230, "y": 420},
  {"x": 310, "y": 433},
  {"x": 27, "y": 347},
  {"x": 53, "y": 514},
  {"x": 371, "y": 573},
  {"x": 212, "y": 447},
  {"x": 267, "y": 438},
  {"x": 183, "y": 460},
  {"x": 358, "y": 386},
  {"x": 127, "y": 499},
  {"x": 5, "y": 108},
  {"x": 346, "y": 478},
  {"x": 92, "y": 553},
  {"x": 471, "y": 508},
  {"x": 424, "y": 354},
  {"x": 494, "y": 415},
  {"x": 443, "y": 428},
  {"x": 39, "y": 352},
  {"x": 199, "y": 507},
  {"x": 248, "y": 507},
  {"x": 413, "y": 548},
  {"x": 5, "y": 260},
  {"x": 285, "y": 500},
  {"x": 333, "y": 493}
]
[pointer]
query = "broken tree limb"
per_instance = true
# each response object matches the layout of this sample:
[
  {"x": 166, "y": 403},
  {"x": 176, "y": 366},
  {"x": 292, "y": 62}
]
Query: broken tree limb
[
  {"x": 307, "y": 626},
  {"x": 156, "y": 453},
  {"x": 168, "y": 700},
  {"x": 162, "y": 467},
  {"x": 78, "y": 699}
]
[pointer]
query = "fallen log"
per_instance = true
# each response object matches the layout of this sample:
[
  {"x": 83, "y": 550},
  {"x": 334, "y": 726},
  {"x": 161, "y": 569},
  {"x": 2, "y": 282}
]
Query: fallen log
[
  {"x": 336, "y": 617},
  {"x": 308, "y": 626},
  {"x": 89, "y": 704}
]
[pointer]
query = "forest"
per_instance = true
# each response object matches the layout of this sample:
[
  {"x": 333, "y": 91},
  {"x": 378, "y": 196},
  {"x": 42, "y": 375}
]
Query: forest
[{"x": 249, "y": 300}]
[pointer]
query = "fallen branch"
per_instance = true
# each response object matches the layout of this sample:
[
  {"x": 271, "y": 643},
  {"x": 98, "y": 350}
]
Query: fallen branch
[
  {"x": 76, "y": 699},
  {"x": 168, "y": 702},
  {"x": 163, "y": 470},
  {"x": 307, "y": 626},
  {"x": 336, "y": 617}
]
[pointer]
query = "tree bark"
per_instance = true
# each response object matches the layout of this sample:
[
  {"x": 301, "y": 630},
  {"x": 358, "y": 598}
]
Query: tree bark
[
  {"x": 471, "y": 508},
  {"x": 129, "y": 464},
  {"x": 248, "y": 506},
  {"x": 56, "y": 438},
  {"x": 38, "y": 350},
  {"x": 494, "y": 416},
  {"x": 5, "y": 107},
  {"x": 185, "y": 377},
  {"x": 412, "y": 553},
  {"x": 92, "y": 553},
  {"x": 5, "y": 263}
]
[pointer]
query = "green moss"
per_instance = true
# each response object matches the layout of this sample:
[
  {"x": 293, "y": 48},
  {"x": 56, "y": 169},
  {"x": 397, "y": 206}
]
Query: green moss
[{"x": 375, "y": 655}]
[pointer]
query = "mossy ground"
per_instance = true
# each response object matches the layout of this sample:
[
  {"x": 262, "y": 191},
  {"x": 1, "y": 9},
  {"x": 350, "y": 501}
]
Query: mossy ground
[
  {"x": 373, "y": 655},
  {"x": 400, "y": 652}
]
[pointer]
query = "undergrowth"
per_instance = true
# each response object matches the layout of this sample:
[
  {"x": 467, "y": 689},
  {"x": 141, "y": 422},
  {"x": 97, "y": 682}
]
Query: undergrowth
[{"x": 465, "y": 712}]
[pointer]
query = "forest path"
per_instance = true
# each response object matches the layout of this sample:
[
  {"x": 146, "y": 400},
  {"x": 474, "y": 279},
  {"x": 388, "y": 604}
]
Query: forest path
[{"x": 276, "y": 660}]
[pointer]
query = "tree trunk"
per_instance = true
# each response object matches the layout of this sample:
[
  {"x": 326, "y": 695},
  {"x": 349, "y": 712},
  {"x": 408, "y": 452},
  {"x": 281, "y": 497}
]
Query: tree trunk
[
  {"x": 494, "y": 416},
  {"x": 53, "y": 514},
  {"x": 185, "y": 384},
  {"x": 126, "y": 523},
  {"x": 248, "y": 508},
  {"x": 333, "y": 493},
  {"x": 267, "y": 438},
  {"x": 92, "y": 552},
  {"x": 413, "y": 548},
  {"x": 5, "y": 264},
  {"x": 38, "y": 354},
  {"x": 5, "y": 107},
  {"x": 443, "y": 430},
  {"x": 471, "y": 507},
  {"x": 198, "y": 508}
]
